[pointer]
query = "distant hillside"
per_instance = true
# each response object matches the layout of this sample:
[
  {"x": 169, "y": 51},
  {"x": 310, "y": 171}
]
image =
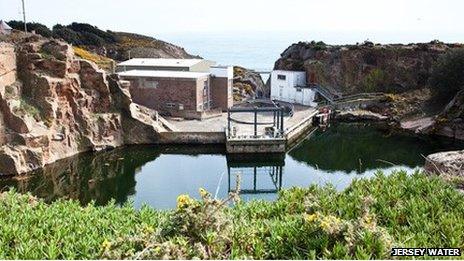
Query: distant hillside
[{"x": 115, "y": 45}]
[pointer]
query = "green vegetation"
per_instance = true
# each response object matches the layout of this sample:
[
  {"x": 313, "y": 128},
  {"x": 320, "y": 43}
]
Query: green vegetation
[
  {"x": 447, "y": 76},
  {"x": 375, "y": 80},
  {"x": 92, "y": 38},
  {"x": 318, "y": 46},
  {"x": 361, "y": 222}
]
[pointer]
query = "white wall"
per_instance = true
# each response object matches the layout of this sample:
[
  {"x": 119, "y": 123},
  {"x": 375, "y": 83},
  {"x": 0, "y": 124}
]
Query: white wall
[
  {"x": 287, "y": 90},
  {"x": 225, "y": 72}
]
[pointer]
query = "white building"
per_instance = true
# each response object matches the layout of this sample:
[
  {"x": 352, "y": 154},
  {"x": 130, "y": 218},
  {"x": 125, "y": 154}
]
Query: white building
[
  {"x": 290, "y": 86},
  {"x": 165, "y": 64},
  {"x": 4, "y": 28}
]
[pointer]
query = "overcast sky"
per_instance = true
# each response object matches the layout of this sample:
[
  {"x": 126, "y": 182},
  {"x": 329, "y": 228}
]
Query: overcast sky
[{"x": 443, "y": 19}]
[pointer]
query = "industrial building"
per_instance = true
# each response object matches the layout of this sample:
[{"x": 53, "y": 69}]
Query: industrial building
[
  {"x": 162, "y": 64},
  {"x": 291, "y": 86},
  {"x": 187, "y": 88}
]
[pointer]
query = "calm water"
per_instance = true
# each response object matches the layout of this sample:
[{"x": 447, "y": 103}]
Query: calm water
[{"x": 156, "y": 176}]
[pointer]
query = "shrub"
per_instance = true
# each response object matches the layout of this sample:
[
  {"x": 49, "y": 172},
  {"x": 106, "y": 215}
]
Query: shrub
[
  {"x": 362, "y": 222},
  {"x": 447, "y": 76},
  {"x": 37, "y": 27}
]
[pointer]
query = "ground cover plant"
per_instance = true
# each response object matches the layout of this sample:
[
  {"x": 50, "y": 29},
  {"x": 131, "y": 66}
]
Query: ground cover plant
[{"x": 363, "y": 221}]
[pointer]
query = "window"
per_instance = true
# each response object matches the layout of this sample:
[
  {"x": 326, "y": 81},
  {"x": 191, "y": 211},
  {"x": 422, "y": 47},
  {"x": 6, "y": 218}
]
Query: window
[
  {"x": 170, "y": 105},
  {"x": 281, "y": 77},
  {"x": 298, "y": 89},
  {"x": 281, "y": 90}
]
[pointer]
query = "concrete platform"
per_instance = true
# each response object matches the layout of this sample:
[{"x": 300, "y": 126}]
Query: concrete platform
[
  {"x": 218, "y": 124},
  {"x": 212, "y": 131}
]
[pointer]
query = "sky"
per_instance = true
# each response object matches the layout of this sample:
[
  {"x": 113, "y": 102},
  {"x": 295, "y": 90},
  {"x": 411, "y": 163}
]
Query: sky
[{"x": 415, "y": 19}]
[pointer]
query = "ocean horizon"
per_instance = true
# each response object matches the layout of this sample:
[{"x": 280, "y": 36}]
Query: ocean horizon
[{"x": 259, "y": 50}]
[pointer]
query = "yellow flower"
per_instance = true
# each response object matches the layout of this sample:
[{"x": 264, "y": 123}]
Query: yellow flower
[
  {"x": 203, "y": 192},
  {"x": 106, "y": 245},
  {"x": 149, "y": 229},
  {"x": 183, "y": 200},
  {"x": 311, "y": 218}
]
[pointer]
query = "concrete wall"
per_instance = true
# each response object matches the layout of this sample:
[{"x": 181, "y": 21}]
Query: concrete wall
[
  {"x": 192, "y": 138},
  {"x": 256, "y": 146},
  {"x": 202, "y": 66}
]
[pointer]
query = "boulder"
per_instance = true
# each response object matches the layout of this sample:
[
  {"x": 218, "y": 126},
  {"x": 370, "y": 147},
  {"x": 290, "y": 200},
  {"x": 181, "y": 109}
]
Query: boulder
[{"x": 449, "y": 163}]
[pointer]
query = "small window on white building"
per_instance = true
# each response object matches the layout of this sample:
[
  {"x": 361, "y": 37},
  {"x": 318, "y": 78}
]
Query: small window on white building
[
  {"x": 298, "y": 89},
  {"x": 281, "y": 77}
]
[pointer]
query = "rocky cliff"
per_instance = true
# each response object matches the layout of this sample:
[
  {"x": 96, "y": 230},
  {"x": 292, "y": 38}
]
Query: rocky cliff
[
  {"x": 54, "y": 105},
  {"x": 364, "y": 67},
  {"x": 248, "y": 84},
  {"x": 401, "y": 71}
]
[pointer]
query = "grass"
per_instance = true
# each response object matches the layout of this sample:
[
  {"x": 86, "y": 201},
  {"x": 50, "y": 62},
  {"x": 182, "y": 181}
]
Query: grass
[{"x": 364, "y": 221}]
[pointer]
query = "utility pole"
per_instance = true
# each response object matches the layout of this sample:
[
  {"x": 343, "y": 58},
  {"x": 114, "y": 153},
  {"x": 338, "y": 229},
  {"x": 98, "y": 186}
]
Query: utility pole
[{"x": 24, "y": 17}]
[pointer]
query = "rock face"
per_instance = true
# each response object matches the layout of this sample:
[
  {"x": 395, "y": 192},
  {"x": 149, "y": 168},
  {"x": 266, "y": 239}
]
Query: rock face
[
  {"x": 53, "y": 105},
  {"x": 364, "y": 67},
  {"x": 447, "y": 163},
  {"x": 248, "y": 84},
  {"x": 360, "y": 116},
  {"x": 139, "y": 46},
  {"x": 450, "y": 122}
]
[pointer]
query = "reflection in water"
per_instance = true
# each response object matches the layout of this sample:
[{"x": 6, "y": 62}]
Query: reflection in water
[
  {"x": 89, "y": 176},
  {"x": 261, "y": 176},
  {"x": 355, "y": 147},
  {"x": 156, "y": 175}
]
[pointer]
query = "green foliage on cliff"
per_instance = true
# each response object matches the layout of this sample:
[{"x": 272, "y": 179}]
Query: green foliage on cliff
[
  {"x": 361, "y": 222},
  {"x": 375, "y": 80},
  {"x": 448, "y": 74},
  {"x": 92, "y": 38}
]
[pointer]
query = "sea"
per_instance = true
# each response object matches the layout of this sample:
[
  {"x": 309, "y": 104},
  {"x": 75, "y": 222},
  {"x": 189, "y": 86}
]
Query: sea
[{"x": 260, "y": 50}]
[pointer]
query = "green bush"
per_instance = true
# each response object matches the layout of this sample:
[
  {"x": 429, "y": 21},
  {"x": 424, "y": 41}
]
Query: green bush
[
  {"x": 364, "y": 221},
  {"x": 447, "y": 77}
]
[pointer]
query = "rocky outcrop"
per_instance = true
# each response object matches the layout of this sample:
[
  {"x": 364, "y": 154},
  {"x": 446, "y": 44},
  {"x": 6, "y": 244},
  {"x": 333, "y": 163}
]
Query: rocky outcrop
[
  {"x": 448, "y": 123},
  {"x": 248, "y": 84},
  {"x": 59, "y": 105},
  {"x": 364, "y": 67},
  {"x": 360, "y": 116},
  {"x": 139, "y": 46},
  {"x": 446, "y": 163}
]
